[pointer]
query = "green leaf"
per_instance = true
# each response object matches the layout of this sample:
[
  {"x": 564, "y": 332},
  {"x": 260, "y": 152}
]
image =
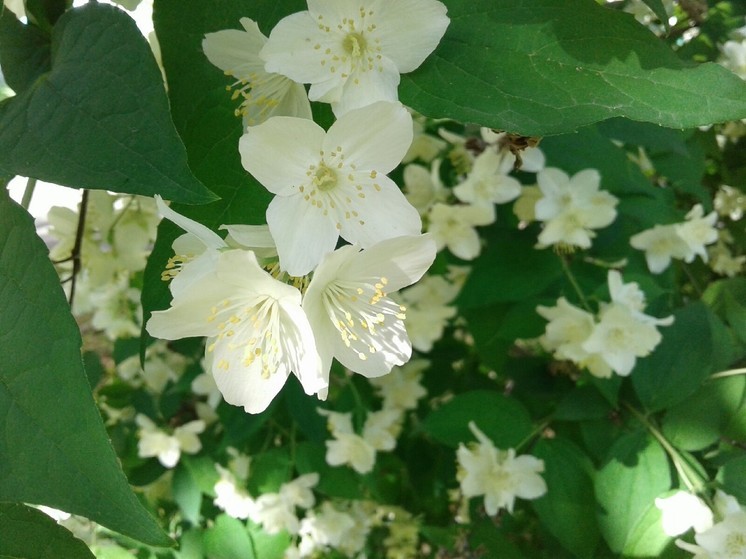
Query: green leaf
[
  {"x": 636, "y": 471},
  {"x": 657, "y": 7},
  {"x": 27, "y": 533},
  {"x": 732, "y": 476},
  {"x": 700, "y": 420},
  {"x": 267, "y": 546},
  {"x": 187, "y": 494},
  {"x": 509, "y": 270},
  {"x": 53, "y": 449},
  {"x": 502, "y": 419},
  {"x": 549, "y": 66},
  {"x": 584, "y": 402},
  {"x": 228, "y": 539},
  {"x": 100, "y": 118},
  {"x": 333, "y": 481},
  {"x": 24, "y": 52},
  {"x": 680, "y": 363},
  {"x": 569, "y": 506}
]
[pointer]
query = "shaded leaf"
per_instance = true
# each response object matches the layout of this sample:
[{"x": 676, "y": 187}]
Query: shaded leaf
[
  {"x": 24, "y": 52},
  {"x": 53, "y": 446},
  {"x": 27, "y": 533},
  {"x": 547, "y": 67},
  {"x": 636, "y": 471},
  {"x": 100, "y": 118},
  {"x": 502, "y": 419}
]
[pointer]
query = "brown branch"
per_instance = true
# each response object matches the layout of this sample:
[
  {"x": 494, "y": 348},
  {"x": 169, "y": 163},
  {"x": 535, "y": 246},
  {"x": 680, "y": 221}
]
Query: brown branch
[{"x": 75, "y": 256}]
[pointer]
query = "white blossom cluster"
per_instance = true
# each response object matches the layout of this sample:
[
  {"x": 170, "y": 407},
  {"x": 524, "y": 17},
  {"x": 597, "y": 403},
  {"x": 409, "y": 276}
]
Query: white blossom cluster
[
  {"x": 499, "y": 475},
  {"x": 609, "y": 341},
  {"x": 682, "y": 241},
  {"x": 283, "y": 299}
]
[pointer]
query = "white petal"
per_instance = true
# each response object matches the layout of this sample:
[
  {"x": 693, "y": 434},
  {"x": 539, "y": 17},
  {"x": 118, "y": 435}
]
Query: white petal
[
  {"x": 402, "y": 261},
  {"x": 302, "y": 232},
  {"x": 236, "y": 51},
  {"x": 373, "y": 138},
  {"x": 204, "y": 234},
  {"x": 300, "y": 347},
  {"x": 384, "y": 213},
  {"x": 291, "y": 49},
  {"x": 410, "y": 30},
  {"x": 245, "y": 386},
  {"x": 250, "y": 236},
  {"x": 366, "y": 86},
  {"x": 278, "y": 152}
]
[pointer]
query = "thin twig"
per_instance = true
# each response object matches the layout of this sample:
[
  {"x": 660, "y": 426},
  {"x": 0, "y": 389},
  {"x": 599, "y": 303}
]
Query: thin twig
[
  {"x": 78, "y": 247},
  {"x": 28, "y": 193}
]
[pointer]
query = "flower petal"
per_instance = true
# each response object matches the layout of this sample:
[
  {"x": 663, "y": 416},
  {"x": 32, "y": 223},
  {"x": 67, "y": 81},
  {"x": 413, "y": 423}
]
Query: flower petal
[
  {"x": 410, "y": 30},
  {"x": 204, "y": 234},
  {"x": 375, "y": 137},
  {"x": 365, "y": 86},
  {"x": 278, "y": 152},
  {"x": 302, "y": 232},
  {"x": 383, "y": 213}
]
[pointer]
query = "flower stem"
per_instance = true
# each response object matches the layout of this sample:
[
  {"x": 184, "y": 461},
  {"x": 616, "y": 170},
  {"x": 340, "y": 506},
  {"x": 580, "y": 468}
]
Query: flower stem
[
  {"x": 728, "y": 373},
  {"x": 691, "y": 478},
  {"x": 543, "y": 424},
  {"x": 574, "y": 283},
  {"x": 28, "y": 193}
]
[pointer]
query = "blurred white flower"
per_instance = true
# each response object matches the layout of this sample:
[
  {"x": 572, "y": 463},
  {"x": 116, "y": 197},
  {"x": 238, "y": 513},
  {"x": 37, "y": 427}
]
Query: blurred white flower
[
  {"x": 734, "y": 57},
  {"x": 263, "y": 94},
  {"x": 572, "y": 207},
  {"x": 351, "y": 52},
  {"x": 499, "y": 475},
  {"x": 429, "y": 309},
  {"x": 423, "y": 187},
  {"x": 682, "y": 511},
  {"x": 425, "y": 146},
  {"x": 488, "y": 183},
  {"x": 454, "y": 227},
  {"x": 232, "y": 498},
  {"x": 324, "y": 528},
  {"x": 726, "y": 539},
  {"x": 567, "y": 330},
  {"x": 331, "y": 184},
  {"x": 697, "y": 231},
  {"x": 168, "y": 447},
  {"x": 276, "y": 511},
  {"x": 401, "y": 389}
]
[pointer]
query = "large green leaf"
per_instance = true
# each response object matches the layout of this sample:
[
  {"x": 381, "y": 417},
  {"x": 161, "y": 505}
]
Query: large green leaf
[
  {"x": 568, "y": 508},
  {"x": 27, "y": 533},
  {"x": 53, "y": 445},
  {"x": 544, "y": 67},
  {"x": 635, "y": 473},
  {"x": 100, "y": 118},
  {"x": 502, "y": 419},
  {"x": 680, "y": 363},
  {"x": 24, "y": 52}
]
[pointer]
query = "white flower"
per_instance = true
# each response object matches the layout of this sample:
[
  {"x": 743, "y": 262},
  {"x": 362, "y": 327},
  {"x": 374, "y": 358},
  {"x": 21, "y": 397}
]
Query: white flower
[
  {"x": 264, "y": 94},
  {"x": 682, "y": 511},
  {"x": 697, "y": 231},
  {"x": 568, "y": 329},
  {"x": 572, "y": 206},
  {"x": 661, "y": 243},
  {"x": 352, "y": 51},
  {"x": 276, "y": 511},
  {"x": 257, "y": 330},
  {"x": 499, "y": 475},
  {"x": 488, "y": 182},
  {"x": 331, "y": 184},
  {"x": 532, "y": 158},
  {"x": 428, "y": 309},
  {"x": 382, "y": 428},
  {"x": 620, "y": 337},
  {"x": 204, "y": 385},
  {"x": 347, "y": 447},
  {"x": 402, "y": 389},
  {"x": 168, "y": 448},
  {"x": 725, "y": 540},
  {"x": 231, "y": 498},
  {"x": 425, "y": 147},
  {"x": 349, "y": 308},
  {"x": 423, "y": 187},
  {"x": 734, "y": 57},
  {"x": 324, "y": 528},
  {"x": 453, "y": 227}
]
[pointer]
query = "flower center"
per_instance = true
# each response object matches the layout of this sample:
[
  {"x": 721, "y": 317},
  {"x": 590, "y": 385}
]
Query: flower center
[
  {"x": 324, "y": 178},
  {"x": 354, "y": 44}
]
